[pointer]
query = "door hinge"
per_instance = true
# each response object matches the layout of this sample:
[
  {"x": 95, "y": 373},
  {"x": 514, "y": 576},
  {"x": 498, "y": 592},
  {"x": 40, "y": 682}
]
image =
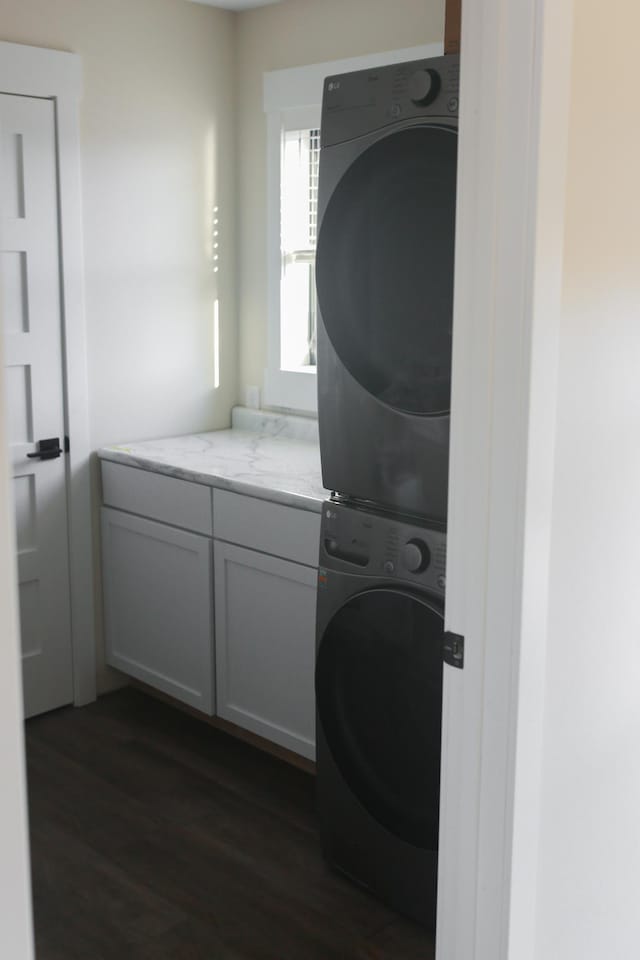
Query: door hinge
[
  {"x": 66, "y": 444},
  {"x": 453, "y": 650}
]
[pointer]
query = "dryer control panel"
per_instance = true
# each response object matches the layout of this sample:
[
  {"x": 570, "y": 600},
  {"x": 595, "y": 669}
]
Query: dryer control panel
[
  {"x": 358, "y": 103},
  {"x": 378, "y": 545}
]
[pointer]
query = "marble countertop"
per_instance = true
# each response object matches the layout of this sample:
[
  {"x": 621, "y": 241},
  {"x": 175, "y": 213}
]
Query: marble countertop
[{"x": 270, "y": 456}]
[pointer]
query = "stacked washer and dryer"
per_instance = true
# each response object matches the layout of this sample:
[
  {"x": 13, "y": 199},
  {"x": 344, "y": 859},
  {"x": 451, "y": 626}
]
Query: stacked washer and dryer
[{"x": 384, "y": 274}]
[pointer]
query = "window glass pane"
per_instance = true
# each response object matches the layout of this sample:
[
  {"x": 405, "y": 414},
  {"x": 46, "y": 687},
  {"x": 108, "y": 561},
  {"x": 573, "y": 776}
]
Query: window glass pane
[
  {"x": 298, "y": 327},
  {"x": 314, "y": 165},
  {"x": 299, "y": 215},
  {"x": 299, "y": 194}
]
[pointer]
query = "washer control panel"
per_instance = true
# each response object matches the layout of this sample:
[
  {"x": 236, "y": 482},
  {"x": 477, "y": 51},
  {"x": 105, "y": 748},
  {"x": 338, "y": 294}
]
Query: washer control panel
[
  {"x": 356, "y": 540},
  {"x": 357, "y": 103}
]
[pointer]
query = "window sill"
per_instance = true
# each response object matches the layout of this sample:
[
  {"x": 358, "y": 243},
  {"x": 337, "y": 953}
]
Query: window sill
[{"x": 291, "y": 389}]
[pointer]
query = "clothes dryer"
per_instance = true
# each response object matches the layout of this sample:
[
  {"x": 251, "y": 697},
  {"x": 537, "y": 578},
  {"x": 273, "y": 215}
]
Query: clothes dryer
[
  {"x": 384, "y": 274},
  {"x": 379, "y": 672}
]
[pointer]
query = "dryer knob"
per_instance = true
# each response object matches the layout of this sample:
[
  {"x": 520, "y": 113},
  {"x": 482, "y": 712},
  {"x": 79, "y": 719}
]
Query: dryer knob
[
  {"x": 416, "y": 556},
  {"x": 424, "y": 87}
]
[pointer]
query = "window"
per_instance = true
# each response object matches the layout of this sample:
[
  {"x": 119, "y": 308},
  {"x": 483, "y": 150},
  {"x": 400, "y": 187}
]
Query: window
[
  {"x": 293, "y": 163},
  {"x": 292, "y": 103},
  {"x": 298, "y": 234}
]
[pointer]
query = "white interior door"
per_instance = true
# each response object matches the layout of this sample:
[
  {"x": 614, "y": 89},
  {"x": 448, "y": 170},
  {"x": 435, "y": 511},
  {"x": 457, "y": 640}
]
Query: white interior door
[{"x": 30, "y": 284}]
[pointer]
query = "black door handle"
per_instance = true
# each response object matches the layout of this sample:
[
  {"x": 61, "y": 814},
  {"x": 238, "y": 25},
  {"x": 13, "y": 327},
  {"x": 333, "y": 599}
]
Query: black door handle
[{"x": 47, "y": 450}]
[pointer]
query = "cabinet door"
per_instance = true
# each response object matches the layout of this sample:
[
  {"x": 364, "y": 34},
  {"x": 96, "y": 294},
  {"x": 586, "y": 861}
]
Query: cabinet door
[
  {"x": 265, "y": 646},
  {"x": 158, "y": 601}
]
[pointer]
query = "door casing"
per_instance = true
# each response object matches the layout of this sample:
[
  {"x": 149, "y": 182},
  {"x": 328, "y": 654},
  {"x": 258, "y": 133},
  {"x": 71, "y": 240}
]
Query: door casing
[
  {"x": 514, "y": 116},
  {"x": 38, "y": 72}
]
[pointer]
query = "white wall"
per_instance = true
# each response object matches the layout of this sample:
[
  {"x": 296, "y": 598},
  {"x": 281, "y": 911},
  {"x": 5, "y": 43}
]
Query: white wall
[
  {"x": 157, "y": 141},
  {"x": 589, "y": 879},
  {"x": 288, "y": 34}
]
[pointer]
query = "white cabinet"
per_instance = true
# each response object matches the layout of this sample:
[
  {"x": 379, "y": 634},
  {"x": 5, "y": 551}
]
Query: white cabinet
[
  {"x": 265, "y": 644},
  {"x": 256, "y": 669},
  {"x": 158, "y": 588}
]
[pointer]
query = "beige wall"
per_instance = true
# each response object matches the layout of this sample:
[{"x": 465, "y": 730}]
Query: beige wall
[
  {"x": 157, "y": 139},
  {"x": 157, "y": 134},
  {"x": 590, "y": 836},
  {"x": 289, "y": 34}
]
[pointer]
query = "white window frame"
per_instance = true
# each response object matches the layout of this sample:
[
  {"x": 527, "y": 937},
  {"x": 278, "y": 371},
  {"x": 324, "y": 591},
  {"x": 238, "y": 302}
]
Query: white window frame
[{"x": 292, "y": 101}]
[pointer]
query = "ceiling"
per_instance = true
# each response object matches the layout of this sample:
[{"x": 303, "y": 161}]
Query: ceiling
[{"x": 236, "y": 4}]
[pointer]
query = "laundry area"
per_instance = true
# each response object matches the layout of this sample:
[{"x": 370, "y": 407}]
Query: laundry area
[
  {"x": 289, "y": 500},
  {"x": 387, "y": 163}
]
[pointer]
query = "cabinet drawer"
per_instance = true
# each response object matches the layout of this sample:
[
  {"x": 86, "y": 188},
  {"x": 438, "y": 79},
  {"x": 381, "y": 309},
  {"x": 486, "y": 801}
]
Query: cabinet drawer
[
  {"x": 178, "y": 502},
  {"x": 268, "y": 527}
]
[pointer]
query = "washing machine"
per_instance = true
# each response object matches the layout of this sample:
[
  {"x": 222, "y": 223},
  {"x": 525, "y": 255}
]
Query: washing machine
[
  {"x": 378, "y": 679},
  {"x": 384, "y": 276}
]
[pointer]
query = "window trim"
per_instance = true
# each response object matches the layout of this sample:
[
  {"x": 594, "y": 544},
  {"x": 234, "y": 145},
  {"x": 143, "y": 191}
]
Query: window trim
[{"x": 292, "y": 100}]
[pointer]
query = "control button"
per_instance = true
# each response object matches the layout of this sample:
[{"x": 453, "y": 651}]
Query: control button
[
  {"x": 395, "y": 111},
  {"x": 332, "y": 546},
  {"x": 424, "y": 87},
  {"x": 453, "y": 104},
  {"x": 442, "y": 581},
  {"x": 389, "y": 567},
  {"x": 415, "y": 556}
]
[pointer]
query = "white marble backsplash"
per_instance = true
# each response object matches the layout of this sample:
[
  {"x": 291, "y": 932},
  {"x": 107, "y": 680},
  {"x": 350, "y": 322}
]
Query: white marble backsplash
[{"x": 270, "y": 424}]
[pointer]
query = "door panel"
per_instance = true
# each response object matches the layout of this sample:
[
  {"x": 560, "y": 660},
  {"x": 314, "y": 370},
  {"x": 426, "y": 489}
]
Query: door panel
[
  {"x": 29, "y": 268},
  {"x": 265, "y": 639},
  {"x": 158, "y": 606}
]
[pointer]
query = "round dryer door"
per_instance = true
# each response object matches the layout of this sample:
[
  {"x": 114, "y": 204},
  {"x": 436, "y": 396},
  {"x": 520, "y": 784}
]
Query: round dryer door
[
  {"x": 379, "y": 697},
  {"x": 384, "y": 268}
]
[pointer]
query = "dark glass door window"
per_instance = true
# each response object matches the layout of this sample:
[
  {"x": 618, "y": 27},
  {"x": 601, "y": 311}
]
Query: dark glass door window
[
  {"x": 379, "y": 697},
  {"x": 384, "y": 268}
]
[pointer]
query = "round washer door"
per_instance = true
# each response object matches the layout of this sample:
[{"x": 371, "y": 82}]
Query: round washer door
[
  {"x": 379, "y": 699},
  {"x": 384, "y": 268}
]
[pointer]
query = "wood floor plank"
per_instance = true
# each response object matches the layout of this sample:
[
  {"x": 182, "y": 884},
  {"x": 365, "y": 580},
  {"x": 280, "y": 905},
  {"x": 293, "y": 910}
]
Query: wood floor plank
[{"x": 156, "y": 836}]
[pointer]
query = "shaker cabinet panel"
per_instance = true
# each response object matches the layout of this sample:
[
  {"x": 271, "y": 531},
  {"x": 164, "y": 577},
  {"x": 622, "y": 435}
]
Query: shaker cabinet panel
[
  {"x": 265, "y": 645},
  {"x": 159, "y": 606}
]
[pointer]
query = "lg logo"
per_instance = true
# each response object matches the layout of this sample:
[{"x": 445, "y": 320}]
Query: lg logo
[{"x": 333, "y": 85}]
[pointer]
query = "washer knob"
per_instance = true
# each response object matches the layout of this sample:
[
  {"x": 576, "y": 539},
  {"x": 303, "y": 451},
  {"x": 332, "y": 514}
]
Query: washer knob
[
  {"x": 415, "y": 556},
  {"x": 424, "y": 87}
]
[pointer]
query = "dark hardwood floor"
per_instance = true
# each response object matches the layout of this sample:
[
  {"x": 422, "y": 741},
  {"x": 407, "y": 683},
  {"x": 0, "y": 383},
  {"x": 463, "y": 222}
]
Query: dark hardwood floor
[{"x": 156, "y": 837}]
